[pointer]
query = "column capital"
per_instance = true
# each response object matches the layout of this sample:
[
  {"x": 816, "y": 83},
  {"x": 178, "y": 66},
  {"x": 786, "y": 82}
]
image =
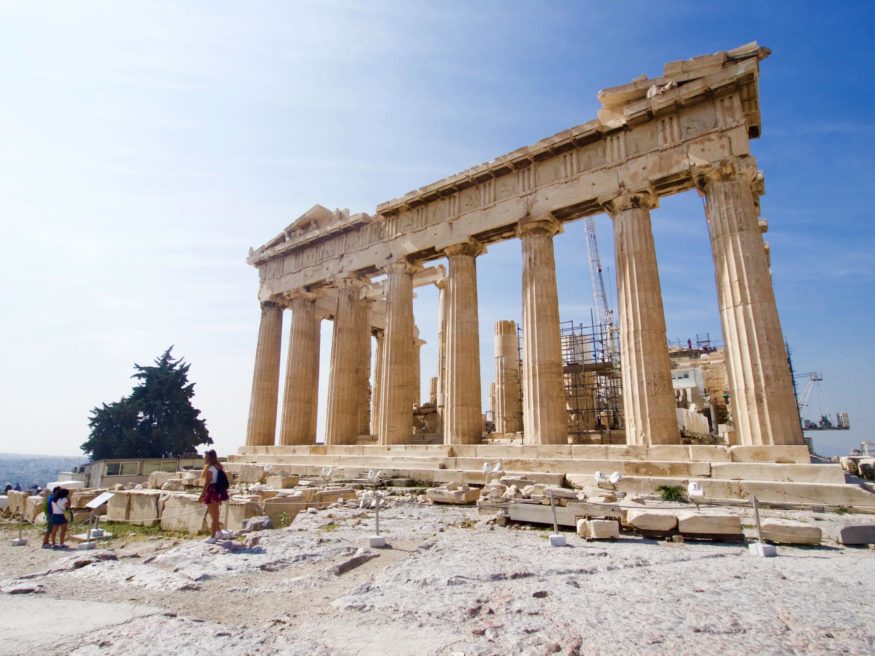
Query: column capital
[
  {"x": 442, "y": 284},
  {"x": 470, "y": 247},
  {"x": 645, "y": 199},
  {"x": 401, "y": 266},
  {"x": 271, "y": 305},
  {"x": 298, "y": 295},
  {"x": 541, "y": 225},
  {"x": 732, "y": 168}
]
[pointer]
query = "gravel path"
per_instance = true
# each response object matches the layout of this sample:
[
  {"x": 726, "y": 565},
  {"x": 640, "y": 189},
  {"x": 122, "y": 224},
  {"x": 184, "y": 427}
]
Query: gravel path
[{"x": 451, "y": 583}]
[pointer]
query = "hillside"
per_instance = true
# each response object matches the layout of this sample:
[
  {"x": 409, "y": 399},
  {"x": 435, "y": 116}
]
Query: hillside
[{"x": 29, "y": 469}]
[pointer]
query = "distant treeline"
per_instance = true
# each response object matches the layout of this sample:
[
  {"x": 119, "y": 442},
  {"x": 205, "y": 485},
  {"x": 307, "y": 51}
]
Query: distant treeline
[{"x": 27, "y": 470}]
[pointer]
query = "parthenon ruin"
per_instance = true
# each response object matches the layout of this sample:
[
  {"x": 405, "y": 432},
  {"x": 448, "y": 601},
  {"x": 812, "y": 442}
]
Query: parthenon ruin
[{"x": 688, "y": 130}]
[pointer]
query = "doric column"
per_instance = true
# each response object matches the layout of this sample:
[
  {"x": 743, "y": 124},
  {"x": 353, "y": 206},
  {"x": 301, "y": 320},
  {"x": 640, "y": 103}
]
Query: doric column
[
  {"x": 396, "y": 410},
  {"x": 443, "y": 302},
  {"x": 463, "y": 412},
  {"x": 508, "y": 402},
  {"x": 648, "y": 396},
  {"x": 261, "y": 430},
  {"x": 378, "y": 382},
  {"x": 416, "y": 386},
  {"x": 300, "y": 401},
  {"x": 544, "y": 416},
  {"x": 761, "y": 390},
  {"x": 364, "y": 371},
  {"x": 344, "y": 382}
]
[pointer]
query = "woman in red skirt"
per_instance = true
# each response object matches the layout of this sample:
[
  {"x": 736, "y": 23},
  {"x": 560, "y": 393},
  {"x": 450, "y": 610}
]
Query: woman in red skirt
[{"x": 212, "y": 495}]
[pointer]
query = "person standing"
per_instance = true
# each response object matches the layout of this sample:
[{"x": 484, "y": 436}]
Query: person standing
[
  {"x": 215, "y": 491},
  {"x": 47, "y": 509},
  {"x": 60, "y": 502}
]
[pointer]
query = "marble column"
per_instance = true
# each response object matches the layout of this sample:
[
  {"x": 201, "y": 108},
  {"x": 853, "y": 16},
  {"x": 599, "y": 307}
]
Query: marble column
[
  {"x": 344, "y": 382},
  {"x": 378, "y": 382},
  {"x": 443, "y": 301},
  {"x": 364, "y": 371},
  {"x": 396, "y": 410},
  {"x": 300, "y": 400},
  {"x": 761, "y": 389},
  {"x": 463, "y": 411},
  {"x": 261, "y": 430},
  {"x": 545, "y": 419},
  {"x": 416, "y": 386},
  {"x": 508, "y": 401},
  {"x": 648, "y": 395}
]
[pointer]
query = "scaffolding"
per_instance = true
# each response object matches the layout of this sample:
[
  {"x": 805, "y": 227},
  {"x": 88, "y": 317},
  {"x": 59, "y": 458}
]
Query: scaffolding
[{"x": 593, "y": 385}]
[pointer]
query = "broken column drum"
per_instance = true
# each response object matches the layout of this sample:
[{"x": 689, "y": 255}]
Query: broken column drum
[{"x": 689, "y": 129}]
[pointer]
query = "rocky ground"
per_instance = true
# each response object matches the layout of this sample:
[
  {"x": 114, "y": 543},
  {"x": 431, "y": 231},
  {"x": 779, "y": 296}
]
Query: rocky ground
[{"x": 450, "y": 582}]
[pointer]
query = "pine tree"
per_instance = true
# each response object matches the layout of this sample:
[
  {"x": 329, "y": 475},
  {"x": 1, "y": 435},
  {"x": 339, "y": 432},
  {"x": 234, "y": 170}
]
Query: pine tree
[{"x": 157, "y": 420}]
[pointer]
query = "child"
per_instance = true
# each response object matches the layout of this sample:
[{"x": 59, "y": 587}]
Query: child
[{"x": 59, "y": 507}]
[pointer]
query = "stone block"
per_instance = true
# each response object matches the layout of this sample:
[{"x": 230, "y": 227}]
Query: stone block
[
  {"x": 143, "y": 507},
  {"x": 866, "y": 468},
  {"x": 81, "y": 498},
  {"x": 158, "y": 478},
  {"x": 333, "y": 495},
  {"x": 702, "y": 523},
  {"x": 183, "y": 513},
  {"x": 282, "y": 510},
  {"x": 282, "y": 482},
  {"x": 33, "y": 506},
  {"x": 249, "y": 474},
  {"x": 853, "y": 534},
  {"x": 598, "y": 529},
  {"x": 787, "y": 531},
  {"x": 461, "y": 496},
  {"x": 786, "y": 454},
  {"x": 173, "y": 485},
  {"x": 709, "y": 453},
  {"x": 651, "y": 520},
  {"x": 16, "y": 501},
  {"x": 536, "y": 513},
  {"x": 118, "y": 507},
  {"x": 235, "y": 512},
  {"x": 848, "y": 464},
  {"x": 586, "y": 509},
  {"x": 790, "y": 473}
]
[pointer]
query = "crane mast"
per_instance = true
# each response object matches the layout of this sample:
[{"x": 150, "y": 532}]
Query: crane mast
[{"x": 603, "y": 313}]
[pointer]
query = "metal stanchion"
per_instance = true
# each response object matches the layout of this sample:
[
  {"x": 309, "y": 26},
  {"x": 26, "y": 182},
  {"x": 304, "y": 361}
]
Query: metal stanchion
[
  {"x": 760, "y": 548},
  {"x": 556, "y": 539}
]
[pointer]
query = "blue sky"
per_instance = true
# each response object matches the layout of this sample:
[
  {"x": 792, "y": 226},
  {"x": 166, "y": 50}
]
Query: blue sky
[{"x": 145, "y": 146}]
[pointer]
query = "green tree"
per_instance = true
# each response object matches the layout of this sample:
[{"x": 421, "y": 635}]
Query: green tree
[{"x": 156, "y": 420}]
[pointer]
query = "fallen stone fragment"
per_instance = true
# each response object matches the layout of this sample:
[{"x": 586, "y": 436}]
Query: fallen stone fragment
[
  {"x": 692, "y": 522},
  {"x": 22, "y": 588},
  {"x": 651, "y": 520},
  {"x": 360, "y": 557},
  {"x": 854, "y": 534},
  {"x": 598, "y": 529},
  {"x": 462, "y": 495},
  {"x": 787, "y": 531},
  {"x": 259, "y": 523}
]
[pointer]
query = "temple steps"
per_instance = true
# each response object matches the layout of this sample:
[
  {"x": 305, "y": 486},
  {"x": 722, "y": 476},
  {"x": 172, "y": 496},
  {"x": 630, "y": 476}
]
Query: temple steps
[{"x": 729, "y": 477}]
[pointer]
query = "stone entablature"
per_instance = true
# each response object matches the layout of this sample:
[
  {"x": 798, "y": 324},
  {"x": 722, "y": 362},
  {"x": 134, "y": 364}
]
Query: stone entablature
[{"x": 699, "y": 113}]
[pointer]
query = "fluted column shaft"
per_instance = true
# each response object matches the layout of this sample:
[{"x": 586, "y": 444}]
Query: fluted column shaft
[
  {"x": 508, "y": 403},
  {"x": 443, "y": 302},
  {"x": 416, "y": 386},
  {"x": 261, "y": 429},
  {"x": 364, "y": 372},
  {"x": 300, "y": 401},
  {"x": 648, "y": 395},
  {"x": 544, "y": 416},
  {"x": 463, "y": 412},
  {"x": 396, "y": 409},
  {"x": 761, "y": 389},
  {"x": 378, "y": 383},
  {"x": 344, "y": 382}
]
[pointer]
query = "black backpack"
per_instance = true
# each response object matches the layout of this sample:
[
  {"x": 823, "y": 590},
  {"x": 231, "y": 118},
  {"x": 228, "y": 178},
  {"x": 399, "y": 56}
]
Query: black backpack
[{"x": 222, "y": 481}]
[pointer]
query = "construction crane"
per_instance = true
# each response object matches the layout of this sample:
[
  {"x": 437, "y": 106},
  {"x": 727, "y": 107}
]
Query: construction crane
[
  {"x": 825, "y": 423},
  {"x": 603, "y": 314}
]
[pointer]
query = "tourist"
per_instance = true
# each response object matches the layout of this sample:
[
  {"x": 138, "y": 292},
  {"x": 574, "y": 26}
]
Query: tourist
[
  {"x": 60, "y": 503},
  {"x": 8, "y": 487},
  {"x": 18, "y": 487},
  {"x": 215, "y": 490},
  {"x": 47, "y": 510}
]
